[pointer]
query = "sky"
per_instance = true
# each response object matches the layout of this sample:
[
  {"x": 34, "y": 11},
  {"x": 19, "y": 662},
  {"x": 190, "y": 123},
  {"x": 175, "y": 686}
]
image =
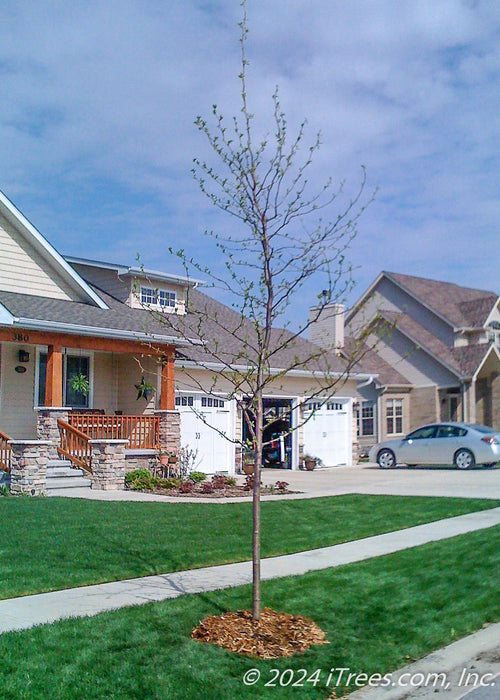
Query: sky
[{"x": 99, "y": 98}]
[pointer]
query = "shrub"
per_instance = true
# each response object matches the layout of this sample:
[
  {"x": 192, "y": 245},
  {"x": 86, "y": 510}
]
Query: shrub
[
  {"x": 207, "y": 487},
  {"x": 186, "y": 486},
  {"x": 140, "y": 480},
  {"x": 171, "y": 482},
  {"x": 4, "y": 490},
  {"x": 248, "y": 486},
  {"x": 230, "y": 481},
  {"x": 281, "y": 485},
  {"x": 219, "y": 481},
  {"x": 197, "y": 477}
]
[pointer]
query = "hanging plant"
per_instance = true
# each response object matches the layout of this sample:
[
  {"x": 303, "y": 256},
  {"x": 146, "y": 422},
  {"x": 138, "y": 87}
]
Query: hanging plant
[
  {"x": 80, "y": 383},
  {"x": 144, "y": 390}
]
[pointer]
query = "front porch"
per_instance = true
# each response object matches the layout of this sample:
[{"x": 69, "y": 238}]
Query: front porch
[{"x": 122, "y": 418}]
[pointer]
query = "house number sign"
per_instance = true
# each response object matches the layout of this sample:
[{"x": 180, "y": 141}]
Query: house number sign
[{"x": 21, "y": 338}]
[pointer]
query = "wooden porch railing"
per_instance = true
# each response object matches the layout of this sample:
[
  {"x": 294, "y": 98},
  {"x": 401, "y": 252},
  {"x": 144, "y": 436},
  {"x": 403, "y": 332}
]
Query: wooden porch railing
[
  {"x": 143, "y": 432},
  {"x": 5, "y": 452},
  {"x": 75, "y": 446}
]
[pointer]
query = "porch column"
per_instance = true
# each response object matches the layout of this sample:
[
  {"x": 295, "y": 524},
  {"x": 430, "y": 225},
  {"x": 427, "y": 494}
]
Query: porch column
[
  {"x": 54, "y": 382},
  {"x": 167, "y": 391}
]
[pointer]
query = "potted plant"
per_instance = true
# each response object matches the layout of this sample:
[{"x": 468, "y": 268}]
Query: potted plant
[
  {"x": 248, "y": 461},
  {"x": 80, "y": 383},
  {"x": 310, "y": 462},
  {"x": 144, "y": 389}
]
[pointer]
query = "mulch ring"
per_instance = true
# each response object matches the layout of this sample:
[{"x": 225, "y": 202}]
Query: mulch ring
[{"x": 273, "y": 636}]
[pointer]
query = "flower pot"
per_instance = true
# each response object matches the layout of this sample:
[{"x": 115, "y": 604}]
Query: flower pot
[
  {"x": 164, "y": 459},
  {"x": 310, "y": 464},
  {"x": 248, "y": 465}
]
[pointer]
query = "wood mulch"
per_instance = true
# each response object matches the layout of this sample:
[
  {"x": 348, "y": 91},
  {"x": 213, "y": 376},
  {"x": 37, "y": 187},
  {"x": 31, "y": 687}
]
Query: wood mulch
[
  {"x": 226, "y": 492},
  {"x": 275, "y": 635}
]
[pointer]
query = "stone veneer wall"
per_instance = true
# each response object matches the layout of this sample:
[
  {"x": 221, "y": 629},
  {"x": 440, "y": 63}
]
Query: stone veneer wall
[
  {"x": 108, "y": 464},
  {"x": 28, "y": 474},
  {"x": 139, "y": 461},
  {"x": 170, "y": 430},
  {"x": 47, "y": 427}
]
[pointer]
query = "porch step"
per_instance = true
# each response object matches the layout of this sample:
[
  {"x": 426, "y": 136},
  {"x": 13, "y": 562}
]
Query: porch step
[
  {"x": 70, "y": 482},
  {"x": 62, "y": 475}
]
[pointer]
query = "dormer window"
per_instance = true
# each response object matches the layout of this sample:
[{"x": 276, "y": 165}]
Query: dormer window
[{"x": 158, "y": 297}]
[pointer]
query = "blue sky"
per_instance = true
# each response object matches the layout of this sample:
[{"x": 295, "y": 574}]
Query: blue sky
[{"x": 97, "y": 134}]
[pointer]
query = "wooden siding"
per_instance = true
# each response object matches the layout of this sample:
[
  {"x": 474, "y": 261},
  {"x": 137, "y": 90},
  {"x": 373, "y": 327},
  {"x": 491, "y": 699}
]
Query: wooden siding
[
  {"x": 105, "y": 382},
  {"x": 17, "y": 391},
  {"x": 25, "y": 271},
  {"x": 107, "y": 280}
]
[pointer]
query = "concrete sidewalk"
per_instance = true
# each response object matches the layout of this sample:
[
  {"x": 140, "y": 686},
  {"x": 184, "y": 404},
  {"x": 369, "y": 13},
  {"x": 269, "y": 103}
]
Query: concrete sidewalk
[
  {"x": 24, "y": 612},
  {"x": 468, "y": 669}
]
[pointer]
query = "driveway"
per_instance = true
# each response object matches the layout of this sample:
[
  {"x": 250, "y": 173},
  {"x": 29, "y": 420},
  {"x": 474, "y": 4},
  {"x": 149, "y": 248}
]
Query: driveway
[{"x": 368, "y": 478}]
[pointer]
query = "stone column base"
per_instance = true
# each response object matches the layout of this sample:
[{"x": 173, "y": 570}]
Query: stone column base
[
  {"x": 108, "y": 464},
  {"x": 47, "y": 426},
  {"x": 28, "y": 473},
  {"x": 170, "y": 431}
]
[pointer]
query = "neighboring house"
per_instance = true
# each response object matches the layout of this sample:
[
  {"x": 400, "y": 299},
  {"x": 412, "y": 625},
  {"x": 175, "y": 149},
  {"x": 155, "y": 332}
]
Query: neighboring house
[
  {"x": 441, "y": 342},
  {"x": 66, "y": 318}
]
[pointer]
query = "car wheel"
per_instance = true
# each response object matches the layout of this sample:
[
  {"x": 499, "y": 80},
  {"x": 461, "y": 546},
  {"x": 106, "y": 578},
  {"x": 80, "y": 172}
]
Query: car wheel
[
  {"x": 464, "y": 459},
  {"x": 386, "y": 459}
]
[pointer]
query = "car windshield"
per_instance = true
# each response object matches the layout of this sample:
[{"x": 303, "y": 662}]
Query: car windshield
[{"x": 481, "y": 428}]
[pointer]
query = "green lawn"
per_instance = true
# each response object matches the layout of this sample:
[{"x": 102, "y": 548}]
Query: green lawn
[
  {"x": 53, "y": 543},
  {"x": 378, "y": 616}
]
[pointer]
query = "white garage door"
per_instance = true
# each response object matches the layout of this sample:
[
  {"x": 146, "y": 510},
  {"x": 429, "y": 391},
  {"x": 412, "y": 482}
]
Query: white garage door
[
  {"x": 214, "y": 452},
  {"x": 327, "y": 433}
]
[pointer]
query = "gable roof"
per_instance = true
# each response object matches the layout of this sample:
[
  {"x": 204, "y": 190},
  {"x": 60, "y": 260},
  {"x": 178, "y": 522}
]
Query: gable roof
[
  {"x": 462, "y": 361},
  {"x": 49, "y": 253},
  {"x": 372, "y": 363},
  {"x": 462, "y": 307}
]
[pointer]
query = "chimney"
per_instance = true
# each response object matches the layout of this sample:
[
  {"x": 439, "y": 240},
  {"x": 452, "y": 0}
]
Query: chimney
[{"x": 326, "y": 327}]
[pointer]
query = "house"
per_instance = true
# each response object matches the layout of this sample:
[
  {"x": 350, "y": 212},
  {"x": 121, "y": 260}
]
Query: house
[
  {"x": 435, "y": 353},
  {"x": 101, "y": 364}
]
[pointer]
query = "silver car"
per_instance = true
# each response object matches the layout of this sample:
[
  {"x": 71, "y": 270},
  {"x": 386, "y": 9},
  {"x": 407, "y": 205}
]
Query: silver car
[{"x": 458, "y": 444}]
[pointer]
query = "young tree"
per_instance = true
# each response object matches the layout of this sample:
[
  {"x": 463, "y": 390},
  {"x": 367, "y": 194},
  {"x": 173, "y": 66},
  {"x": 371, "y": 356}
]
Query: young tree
[{"x": 283, "y": 237}]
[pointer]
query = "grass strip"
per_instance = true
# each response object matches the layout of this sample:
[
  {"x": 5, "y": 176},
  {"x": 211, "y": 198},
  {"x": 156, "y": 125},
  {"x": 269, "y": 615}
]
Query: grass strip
[
  {"x": 55, "y": 543},
  {"x": 378, "y": 616}
]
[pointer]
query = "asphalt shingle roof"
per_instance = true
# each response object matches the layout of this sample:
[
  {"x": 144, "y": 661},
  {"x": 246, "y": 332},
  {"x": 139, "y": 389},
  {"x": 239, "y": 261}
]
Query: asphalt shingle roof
[
  {"x": 463, "y": 360},
  {"x": 462, "y": 306}
]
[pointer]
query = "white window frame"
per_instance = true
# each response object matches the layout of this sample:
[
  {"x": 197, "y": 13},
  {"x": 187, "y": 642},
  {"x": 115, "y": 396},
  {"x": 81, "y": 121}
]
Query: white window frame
[
  {"x": 391, "y": 406},
  {"x": 363, "y": 405},
  {"x": 160, "y": 297}
]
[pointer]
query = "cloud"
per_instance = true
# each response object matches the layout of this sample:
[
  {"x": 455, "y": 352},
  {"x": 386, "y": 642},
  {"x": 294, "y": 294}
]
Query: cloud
[{"x": 97, "y": 134}]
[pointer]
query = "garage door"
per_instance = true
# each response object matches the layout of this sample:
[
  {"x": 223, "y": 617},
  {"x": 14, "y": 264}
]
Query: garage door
[
  {"x": 214, "y": 452},
  {"x": 327, "y": 433}
]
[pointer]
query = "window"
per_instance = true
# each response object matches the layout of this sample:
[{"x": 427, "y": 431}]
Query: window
[
  {"x": 450, "y": 431},
  {"x": 425, "y": 433},
  {"x": 148, "y": 295},
  {"x": 366, "y": 418},
  {"x": 394, "y": 416},
  {"x": 158, "y": 297},
  {"x": 73, "y": 365},
  {"x": 166, "y": 298}
]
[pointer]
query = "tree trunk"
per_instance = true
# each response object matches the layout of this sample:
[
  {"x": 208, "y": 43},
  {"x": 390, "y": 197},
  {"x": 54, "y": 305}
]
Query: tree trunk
[{"x": 259, "y": 424}]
